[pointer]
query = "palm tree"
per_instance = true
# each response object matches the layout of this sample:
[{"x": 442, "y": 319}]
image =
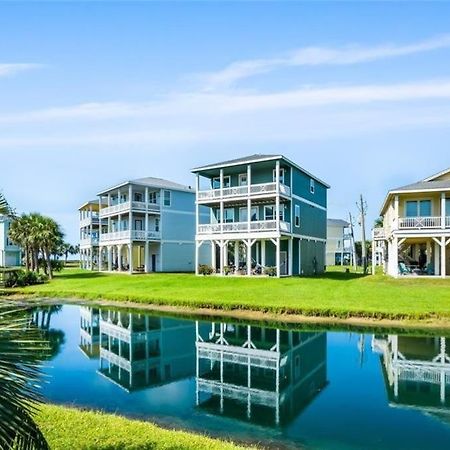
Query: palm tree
[
  {"x": 5, "y": 209},
  {"x": 20, "y": 350}
]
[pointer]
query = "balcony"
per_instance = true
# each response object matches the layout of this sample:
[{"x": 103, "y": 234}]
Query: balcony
[
  {"x": 242, "y": 191},
  {"x": 243, "y": 227},
  {"x": 87, "y": 221},
  {"x": 130, "y": 235},
  {"x": 88, "y": 241},
  {"x": 126, "y": 206},
  {"x": 415, "y": 223},
  {"x": 378, "y": 233}
]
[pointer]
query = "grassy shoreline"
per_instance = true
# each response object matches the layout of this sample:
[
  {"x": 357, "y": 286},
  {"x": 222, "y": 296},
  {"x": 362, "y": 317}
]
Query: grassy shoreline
[
  {"x": 69, "y": 428},
  {"x": 336, "y": 295}
]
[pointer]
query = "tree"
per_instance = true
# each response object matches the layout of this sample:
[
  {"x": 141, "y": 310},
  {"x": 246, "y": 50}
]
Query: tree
[
  {"x": 21, "y": 349},
  {"x": 379, "y": 223},
  {"x": 39, "y": 236},
  {"x": 5, "y": 209}
]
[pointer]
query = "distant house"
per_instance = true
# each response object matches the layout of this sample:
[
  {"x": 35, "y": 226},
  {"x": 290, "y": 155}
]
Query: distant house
[
  {"x": 265, "y": 211},
  {"x": 10, "y": 254},
  {"x": 416, "y": 228},
  {"x": 143, "y": 225},
  {"x": 339, "y": 243}
]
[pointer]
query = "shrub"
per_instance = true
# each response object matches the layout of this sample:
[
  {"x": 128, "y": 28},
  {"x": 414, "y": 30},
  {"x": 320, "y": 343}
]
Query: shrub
[
  {"x": 204, "y": 269},
  {"x": 227, "y": 270},
  {"x": 270, "y": 270},
  {"x": 21, "y": 278}
]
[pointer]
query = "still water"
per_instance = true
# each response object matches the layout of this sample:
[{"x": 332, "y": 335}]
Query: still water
[{"x": 281, "y": 388}]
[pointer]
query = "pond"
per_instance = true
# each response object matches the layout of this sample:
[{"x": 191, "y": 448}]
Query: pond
[{"x": 281, "y": 388}]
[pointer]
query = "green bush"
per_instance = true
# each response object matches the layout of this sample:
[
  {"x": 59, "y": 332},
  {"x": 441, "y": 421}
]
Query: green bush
[
  {"x": 204, "y": 269},
  {"x": 21, "y": 278}
]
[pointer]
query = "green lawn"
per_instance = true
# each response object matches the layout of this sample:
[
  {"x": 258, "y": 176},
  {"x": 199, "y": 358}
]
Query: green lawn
[
  {"x": 334, "y": 294},
  {"x": 70, "y": 429}
]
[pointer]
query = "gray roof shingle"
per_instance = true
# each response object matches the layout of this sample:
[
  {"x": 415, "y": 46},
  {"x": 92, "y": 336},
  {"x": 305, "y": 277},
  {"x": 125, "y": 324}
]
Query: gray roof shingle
[
  {"x": 159, "y": 183},
  {"x": 424, "y": 185},
  {"x": 338, "y": 222}
]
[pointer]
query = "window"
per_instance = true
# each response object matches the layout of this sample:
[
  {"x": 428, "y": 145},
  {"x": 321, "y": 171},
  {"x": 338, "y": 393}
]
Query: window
[
  {"x": 297, "y": 215},
  {"x": 152, "y": 198},
  {"x": 421, "y": 208},
  {"x": 228, "y": 215},
  {"x": 243, "y": 179},
  {"x": 167, "y": 198},
  {"x": 282, "y": 172},
  {"x": 226, "y": 182},
  {"x": 243, "y": 214},
  {"x": 138, "y": 197},
  {"x": 138, "y": 224},
  {"x": 157, "y": 225},
  {"x": 269, "y": 212},
  {"x": 312, "y": 186}
]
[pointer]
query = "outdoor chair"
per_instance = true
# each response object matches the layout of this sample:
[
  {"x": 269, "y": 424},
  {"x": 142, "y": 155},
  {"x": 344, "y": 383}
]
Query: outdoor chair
[{"x": 403, "y": 269}]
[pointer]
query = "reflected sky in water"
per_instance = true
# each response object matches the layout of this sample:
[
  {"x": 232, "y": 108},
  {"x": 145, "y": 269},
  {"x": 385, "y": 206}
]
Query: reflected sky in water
[{"x": 283, "y": 388}]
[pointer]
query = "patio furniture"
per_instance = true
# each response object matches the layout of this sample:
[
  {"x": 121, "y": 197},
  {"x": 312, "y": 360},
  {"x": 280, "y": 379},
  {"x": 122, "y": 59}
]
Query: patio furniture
[{"x": 403, "y": 269}]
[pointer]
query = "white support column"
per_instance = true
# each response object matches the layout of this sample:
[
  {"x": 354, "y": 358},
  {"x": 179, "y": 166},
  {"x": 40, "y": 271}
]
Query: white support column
[
  {"x": 100, "y": 261},
  {"x": 130, "y": 257},
  {"x": 197, "y": 216},
  {"x": 443, "y": 258},
  {"x": 130, "y": 215},
  {"x": 290, "y": 255},
  {"x": 443, "y": 210},
  {"x": 277, "y": 198},
  {"x": 278, "y": 257},
  {"x": 119, "y": 258},
  {"x": 249, "y": 201},
  {"x": 373, "y": 255},
  {"x": 393, "y": 257},
  {"x": 436, "y": 257},
  {"x": 221, "y": 200},
  {"x": 236, "y": 255},
  {"x": 263, "y": 253},
  {"x": 221, "y": 256},
  {"x": 146, "y": 256},
  {"x": 109, "y": 249},
  {"x": 197, "y": 248},
  {"x": 248, "y": 244},
  {"x": 396, "y": 212}
]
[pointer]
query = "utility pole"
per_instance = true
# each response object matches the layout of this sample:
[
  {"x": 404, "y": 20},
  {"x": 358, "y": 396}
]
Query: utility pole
[
  {"x": 352, "y": 240},
  {"x": 362, "y": 207}
]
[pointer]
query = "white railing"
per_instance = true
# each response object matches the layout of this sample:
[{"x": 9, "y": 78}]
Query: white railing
[
  {"x": 378, "y": 233},
  {"x": 419, "y": 222},
  {"x": 86, "y": 221},
  {"x": 137, "y": 235},
  {"x": 122, "y": 207},
  {"x": 242, "y": 191},
  {"x": 89, "y": 241},
  {"x": 236, "y": 227}
]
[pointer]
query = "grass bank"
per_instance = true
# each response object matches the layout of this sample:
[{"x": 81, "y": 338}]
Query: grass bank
[
  {"x": 69, "y": 429},
  {"x": 335, "y": 294}
]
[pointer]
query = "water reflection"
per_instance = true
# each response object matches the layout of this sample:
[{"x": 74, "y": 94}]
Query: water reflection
[
  {"x": 285, "y": 388},
  {"x": 266, "y": 376},
  {"x": 138, "y": 350},
  {"x": 417, "y": 371}
]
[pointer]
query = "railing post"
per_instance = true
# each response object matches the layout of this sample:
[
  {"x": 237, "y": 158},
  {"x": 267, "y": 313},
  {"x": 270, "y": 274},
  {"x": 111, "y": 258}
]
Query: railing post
[{"x": 443, "y": 210}]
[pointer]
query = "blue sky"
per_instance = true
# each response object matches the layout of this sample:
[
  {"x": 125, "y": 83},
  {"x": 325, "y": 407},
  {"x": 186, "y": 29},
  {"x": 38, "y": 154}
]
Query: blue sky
[{"x": 92, "y": 94}]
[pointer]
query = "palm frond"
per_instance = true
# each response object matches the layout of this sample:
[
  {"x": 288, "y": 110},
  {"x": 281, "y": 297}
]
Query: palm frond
[{"x": 21, "y": 351}]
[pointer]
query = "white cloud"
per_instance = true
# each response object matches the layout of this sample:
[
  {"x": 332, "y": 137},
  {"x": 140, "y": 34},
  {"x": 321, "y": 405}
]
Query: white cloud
[
  {"x": 13, "y": 69},
  {"x": 314, "y": 56}
]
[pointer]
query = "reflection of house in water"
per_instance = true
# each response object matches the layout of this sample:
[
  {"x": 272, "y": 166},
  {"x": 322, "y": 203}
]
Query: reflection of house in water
[
  {"x": 138, "y": 350},
  {"x": 265, "y": 376},
  {"x": 90, "y": 331},
  {"x": 417, "y": 371}
]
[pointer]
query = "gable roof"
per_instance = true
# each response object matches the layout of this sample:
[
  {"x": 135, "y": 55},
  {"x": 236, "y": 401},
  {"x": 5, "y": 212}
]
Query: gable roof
[
  {"x": 257, "y": 157},
  {"x": 159, "y": 183},
  {"x": 429, "y": 184},
  {"x": 338, "y": 223}
]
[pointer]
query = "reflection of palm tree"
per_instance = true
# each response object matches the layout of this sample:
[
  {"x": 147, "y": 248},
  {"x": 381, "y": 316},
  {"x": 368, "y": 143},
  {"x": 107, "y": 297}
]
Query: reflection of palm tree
[
  {"x": 21, "y": 349},
  {"x": 41, "y": 318}
]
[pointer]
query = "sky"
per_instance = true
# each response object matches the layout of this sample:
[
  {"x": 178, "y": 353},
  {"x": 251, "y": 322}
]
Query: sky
[{"x": 96, "y": 93}]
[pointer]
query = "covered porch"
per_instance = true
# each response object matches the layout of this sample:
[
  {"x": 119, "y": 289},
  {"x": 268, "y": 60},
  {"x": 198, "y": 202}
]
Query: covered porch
[
  {"x": 419, "y": 256},
  {"x": 136, "y": 257},
  {"x": 251, "y": 256}
]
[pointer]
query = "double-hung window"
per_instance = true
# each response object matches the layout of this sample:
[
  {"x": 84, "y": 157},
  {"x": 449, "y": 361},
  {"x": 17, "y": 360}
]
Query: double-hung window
[
  {"x": 226, "y": 182},
  {"x": 297, "y": 215},
  {"x": 243, "y": 216},
  {"x": 270, "y": 214},
  {"x": 167, "y": 198},
  {"x": 152, "y": 197},
  {"x": 138, "y": 197},
  {"x": 418, "y": 208},
  {"x": 228, "y": 215}
]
